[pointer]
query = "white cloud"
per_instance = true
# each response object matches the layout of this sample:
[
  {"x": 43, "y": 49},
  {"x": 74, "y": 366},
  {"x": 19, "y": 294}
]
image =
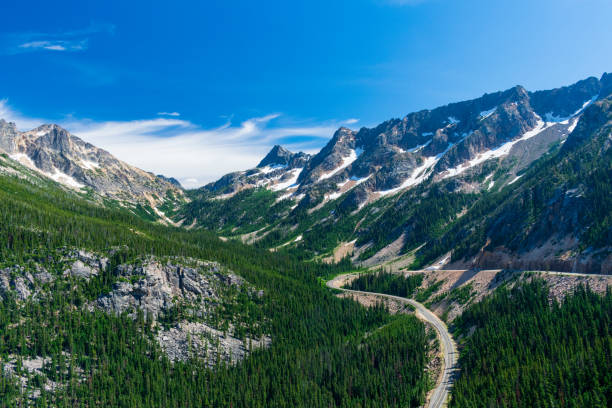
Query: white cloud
[
  {"x": 56, "y": 45},
  {"x": 190, "y": 182},
  {"x": 11, "y": 115},
  {"x": 350, "y": 121},
  {"x": 59, "y": 41},
  {"x": 168, "y": 114},
  {"x": 181, "y": 149}
]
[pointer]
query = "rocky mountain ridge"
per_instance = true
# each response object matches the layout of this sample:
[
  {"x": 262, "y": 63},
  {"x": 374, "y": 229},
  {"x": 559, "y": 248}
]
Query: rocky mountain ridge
[
  {"x": 440, "y": 143},
  {"x": 404, "y": 189},
  {"x": 68, "y": 160},
  {"x": 382, "y": 193}
]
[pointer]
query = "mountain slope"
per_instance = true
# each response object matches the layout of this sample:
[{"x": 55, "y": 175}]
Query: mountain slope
[
  {"x": 66, "y": 264},
  {"x": 564, "y": 223},
  {"x": 65, "y": 158},
  {"x": 388, "y": 190}
]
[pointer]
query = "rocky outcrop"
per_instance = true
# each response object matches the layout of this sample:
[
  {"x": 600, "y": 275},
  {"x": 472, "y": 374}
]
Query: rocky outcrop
[
  {"x": 21, "y": 282},
  {"x": 189, "y": 339},
  {"x": 182, "y": 297},
  {"x": 84, "y": 264},
  {"x": 185, "y": 299},
  {"x": 154, "y": 288}
]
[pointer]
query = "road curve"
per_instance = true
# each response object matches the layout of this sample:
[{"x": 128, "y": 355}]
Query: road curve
[{"x": 439, "y": 396}]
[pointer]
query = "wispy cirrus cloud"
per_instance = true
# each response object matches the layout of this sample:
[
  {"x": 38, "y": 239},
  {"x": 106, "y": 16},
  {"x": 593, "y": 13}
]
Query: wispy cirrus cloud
[
  {"x": 59, "y": 41},
  {"x": 168, "y": 114},
  {"x": 55, "y": 45},
  {"x": 193, "y": 154}
]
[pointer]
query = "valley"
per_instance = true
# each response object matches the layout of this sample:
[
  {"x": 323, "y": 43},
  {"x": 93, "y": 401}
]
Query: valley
[
  {"x": 453, "y": 293},
  {"x": 438, "y": 397},
  {"x": 394, "y": 267}
]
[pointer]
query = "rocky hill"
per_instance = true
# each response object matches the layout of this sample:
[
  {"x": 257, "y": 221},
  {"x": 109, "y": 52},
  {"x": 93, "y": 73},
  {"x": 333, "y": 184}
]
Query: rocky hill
[{"x": 185, "y": 300}]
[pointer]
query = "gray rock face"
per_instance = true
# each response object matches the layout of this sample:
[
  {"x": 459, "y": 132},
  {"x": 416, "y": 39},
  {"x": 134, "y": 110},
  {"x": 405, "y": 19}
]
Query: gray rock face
[
  {"x": 279, "y": 156},
  {"x": 69, "y": 160},
  {"x": 84, "y": 264},
  {"x": 431, "y": 144},
  {"x": 279, "y": 166},
  {"x": 26, "y": 282},
  {"x": 187, "y": 340},
  {"x": 81, "y": 270},
  {"x": 184, "y": 298},
  {"x": 17, "y": 280},
  {"x": 156, "y": 286}
]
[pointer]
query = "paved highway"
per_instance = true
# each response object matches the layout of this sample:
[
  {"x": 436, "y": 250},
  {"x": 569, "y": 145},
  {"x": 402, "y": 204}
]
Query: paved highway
[{"x": 439, "y": 396}]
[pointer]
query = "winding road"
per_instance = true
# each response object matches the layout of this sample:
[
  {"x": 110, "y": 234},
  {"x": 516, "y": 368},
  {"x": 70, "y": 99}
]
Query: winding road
[{"x": 439, "y": 396}]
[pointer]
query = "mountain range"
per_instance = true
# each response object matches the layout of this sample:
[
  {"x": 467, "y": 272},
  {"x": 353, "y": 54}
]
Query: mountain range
[
  {"x": 513, "y": 179},
  {"x": 402, "y": 193},
  {"x": 120, "y": 288}
]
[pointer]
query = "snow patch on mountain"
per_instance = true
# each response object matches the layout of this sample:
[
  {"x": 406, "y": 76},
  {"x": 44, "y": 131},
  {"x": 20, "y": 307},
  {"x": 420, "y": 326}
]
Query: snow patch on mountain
[
  {"x": 333, "y": 196},
  {"x": 64, "y": 179},
  {"x": 498, "y": 152},
  {"x": 515, "y": 179},
  {"x": 418, "y": 175},
  {"x": 420, "y": 147},
  {"x": 23, "y": 159},
  {"x": 492, "y": 183},
  {"x": 453, "y": 120},
  {"x": 355, "y": 182},
  {"x": 89, "y": 165},
  {"x": 550, "y": 117},
  {"x": 346, "y": 161},
  {"x": 270, "y": 169},
  {"x": 284, "y": 196},
  {"x": 295, "y": 173},
  {"x": 56, "y": 175},
  {"x": 571, "y": 128},
  {"x": 487, "y": 113}
]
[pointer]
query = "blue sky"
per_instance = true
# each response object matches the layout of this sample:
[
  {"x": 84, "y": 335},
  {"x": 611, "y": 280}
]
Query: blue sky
[{"x": 194, "y": 89}]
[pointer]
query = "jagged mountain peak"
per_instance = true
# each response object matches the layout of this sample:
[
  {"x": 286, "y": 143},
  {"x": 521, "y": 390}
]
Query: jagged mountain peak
[
  {"x": 278, "y": 155},
  {"x": 432, "y": 162},
  {"x": 566, "y": 101},
  {"x": 170, "y": 180},
  {"x": 606, "y": 84},
  {"x": 65, "y": 158},
  {"x": 443, "y": 142},
  {"x": 5, "y": 124}
]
